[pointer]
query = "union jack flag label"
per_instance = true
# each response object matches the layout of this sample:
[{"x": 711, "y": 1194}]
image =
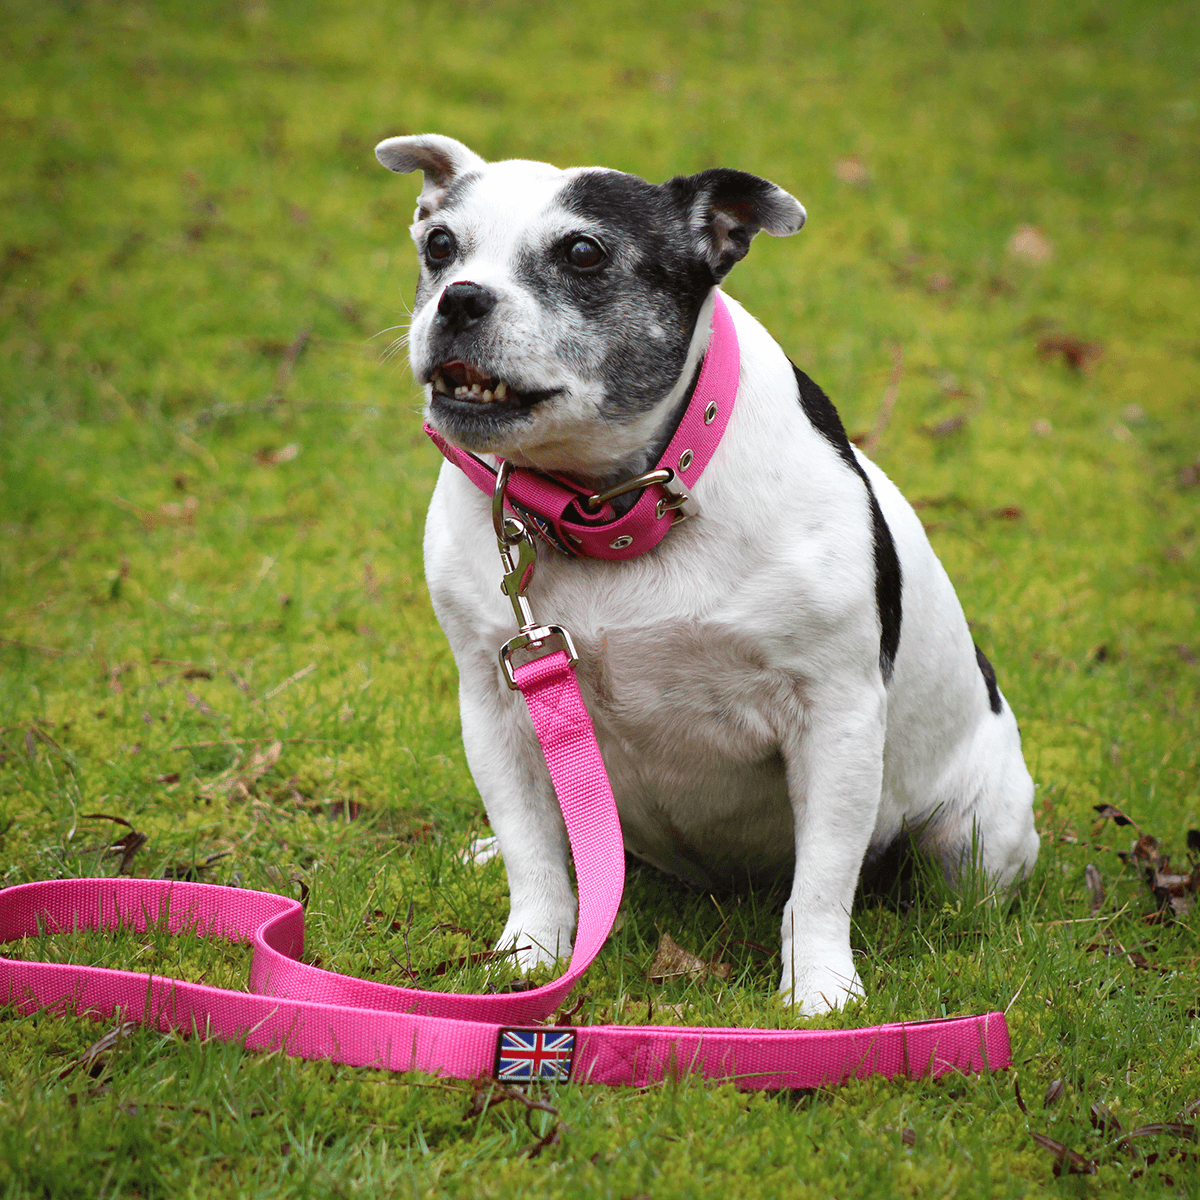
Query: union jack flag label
[{"x": 523, "y": 1055}]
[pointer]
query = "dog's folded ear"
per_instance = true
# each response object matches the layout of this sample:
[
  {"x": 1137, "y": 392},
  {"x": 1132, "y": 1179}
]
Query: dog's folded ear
[
  {"x": 726, "y": 208},
  {"x": 441, "y": 158}
]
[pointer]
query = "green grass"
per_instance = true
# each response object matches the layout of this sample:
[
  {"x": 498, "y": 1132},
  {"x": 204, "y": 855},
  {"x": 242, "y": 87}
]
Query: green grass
[{"x": 212, "y": 486}]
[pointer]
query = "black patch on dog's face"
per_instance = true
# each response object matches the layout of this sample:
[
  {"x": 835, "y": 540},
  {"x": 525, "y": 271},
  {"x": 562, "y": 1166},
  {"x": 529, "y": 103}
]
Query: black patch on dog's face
[
  {"x": 637, "y": 309},
  {"x": 889, "y": 583}
]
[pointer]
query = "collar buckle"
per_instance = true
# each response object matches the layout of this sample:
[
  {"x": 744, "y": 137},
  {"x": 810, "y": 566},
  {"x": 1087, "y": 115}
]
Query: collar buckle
[
  {"x": 596, "y": 502},
  {"x": 677, "y": 498}
]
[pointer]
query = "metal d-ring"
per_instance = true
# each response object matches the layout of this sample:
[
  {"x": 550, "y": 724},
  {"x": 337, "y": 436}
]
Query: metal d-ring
[{"x": 498, "y": 517}]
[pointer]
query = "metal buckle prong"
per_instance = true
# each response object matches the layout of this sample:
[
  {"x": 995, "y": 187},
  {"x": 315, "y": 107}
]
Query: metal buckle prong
[{"x": 678, "y": 500}]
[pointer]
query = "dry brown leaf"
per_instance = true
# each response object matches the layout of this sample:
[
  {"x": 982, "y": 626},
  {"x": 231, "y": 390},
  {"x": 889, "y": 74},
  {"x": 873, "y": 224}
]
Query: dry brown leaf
[
  {"x": 945, "y": 428},
  {"x": 851, "y": 169},
  {"x": 90, "y": 1058},
  {"x": 105, "y": 817},
  {"x": 270, "y": 456},
  {"x": 1174, "y": 890},
  {"x": 1029, "y": 245},
  {"x": 184, "y": 513},
  {"x": 1075, "y": 352},
  {"x": 1111, "y": 812},
  {"x": 672, "y": 961},
  {"x": 193, "y": 872},
  {"x": 261, "y": 761},
  {"x": 1105, "y": 1120},
  {"x": 240, "y": 778},
  {"x": 1176, "y": 1128},
  {"x": 128, "y": 846},
  {"x": 1073, "y": 1161}
]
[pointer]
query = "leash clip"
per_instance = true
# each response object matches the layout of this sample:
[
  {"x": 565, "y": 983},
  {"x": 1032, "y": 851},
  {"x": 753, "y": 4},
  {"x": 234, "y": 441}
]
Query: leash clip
[{"x": 518, "y": 554}]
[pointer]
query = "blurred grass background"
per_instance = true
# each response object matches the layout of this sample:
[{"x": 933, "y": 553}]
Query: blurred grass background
[{"x": 213, "y": 622}]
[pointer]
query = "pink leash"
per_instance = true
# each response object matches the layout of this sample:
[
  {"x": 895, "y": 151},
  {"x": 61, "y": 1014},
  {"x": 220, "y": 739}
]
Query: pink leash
[{"x": 318, "y": 1014}]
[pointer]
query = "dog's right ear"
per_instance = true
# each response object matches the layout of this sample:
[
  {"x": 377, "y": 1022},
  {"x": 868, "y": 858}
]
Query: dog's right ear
[{"x": 441, "y": 158}]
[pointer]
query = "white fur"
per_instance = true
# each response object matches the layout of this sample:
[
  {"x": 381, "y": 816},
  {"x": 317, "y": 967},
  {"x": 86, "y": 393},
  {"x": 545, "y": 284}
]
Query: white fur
[{"x": 732, "y": 674}]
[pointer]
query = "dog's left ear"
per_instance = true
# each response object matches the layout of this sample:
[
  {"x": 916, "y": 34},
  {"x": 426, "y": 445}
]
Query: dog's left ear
[{"x": 726, "y": 208}]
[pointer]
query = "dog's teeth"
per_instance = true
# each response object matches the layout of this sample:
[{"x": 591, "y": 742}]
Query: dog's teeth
[{"x": 476, "y": 393}]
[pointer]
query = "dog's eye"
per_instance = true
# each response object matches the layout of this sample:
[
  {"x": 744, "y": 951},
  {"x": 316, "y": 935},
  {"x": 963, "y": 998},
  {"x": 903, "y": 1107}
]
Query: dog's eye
[
  {"x": 439, "y": 246},
  {"x": 585, "y": 253}
]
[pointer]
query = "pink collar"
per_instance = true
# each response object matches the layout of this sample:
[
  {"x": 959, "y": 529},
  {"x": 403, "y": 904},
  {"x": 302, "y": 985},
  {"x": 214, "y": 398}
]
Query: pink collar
[{"x": 560, "y": 510}]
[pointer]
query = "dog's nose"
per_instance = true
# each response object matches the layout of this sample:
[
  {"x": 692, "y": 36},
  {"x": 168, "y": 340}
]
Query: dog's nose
[{"x": 462, "y": 304}]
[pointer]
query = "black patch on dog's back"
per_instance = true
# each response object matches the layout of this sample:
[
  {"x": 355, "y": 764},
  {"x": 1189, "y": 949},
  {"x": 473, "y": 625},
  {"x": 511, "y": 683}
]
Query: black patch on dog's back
[
  {"x": 889, "y": 583},
  {"x": 818, "y": 408},
  {"x": 989, "y": 677}
]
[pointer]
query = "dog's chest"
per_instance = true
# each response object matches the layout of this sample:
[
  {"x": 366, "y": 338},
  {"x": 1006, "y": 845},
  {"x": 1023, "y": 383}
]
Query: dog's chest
[{"x": 687, "y": 710}]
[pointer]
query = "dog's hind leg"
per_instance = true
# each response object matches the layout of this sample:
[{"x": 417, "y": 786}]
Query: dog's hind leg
[{"x": 987, "y": 825}]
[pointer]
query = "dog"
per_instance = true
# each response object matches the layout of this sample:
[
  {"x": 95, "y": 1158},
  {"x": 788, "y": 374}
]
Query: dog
[{"x": 785, "y": 685}]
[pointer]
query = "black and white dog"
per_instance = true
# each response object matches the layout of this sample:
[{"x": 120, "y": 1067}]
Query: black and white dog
[{"x": 786, "y": 682}]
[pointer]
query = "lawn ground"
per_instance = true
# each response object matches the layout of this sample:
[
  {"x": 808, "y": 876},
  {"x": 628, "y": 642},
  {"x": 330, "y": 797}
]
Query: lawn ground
[{"x": 213, "y": 622}]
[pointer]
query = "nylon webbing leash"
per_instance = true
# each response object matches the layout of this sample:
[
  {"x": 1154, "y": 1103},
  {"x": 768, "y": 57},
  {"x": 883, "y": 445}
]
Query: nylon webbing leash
[
  {"x": 313, "y": 1013},
  {"x": 318, "y": 1014}
]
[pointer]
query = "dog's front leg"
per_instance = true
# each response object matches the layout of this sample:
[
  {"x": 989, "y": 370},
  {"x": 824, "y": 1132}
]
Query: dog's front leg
[
  {"x": 511, "y": 774},
  {"x": 835, "y": 771}
]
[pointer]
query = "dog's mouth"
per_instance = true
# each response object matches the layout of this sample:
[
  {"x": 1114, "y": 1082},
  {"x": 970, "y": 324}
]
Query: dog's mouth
[{"x": 469, "y": 384}]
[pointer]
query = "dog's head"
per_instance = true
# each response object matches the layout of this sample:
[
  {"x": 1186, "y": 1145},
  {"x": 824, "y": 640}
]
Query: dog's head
[{"x": 556, "y": 310}]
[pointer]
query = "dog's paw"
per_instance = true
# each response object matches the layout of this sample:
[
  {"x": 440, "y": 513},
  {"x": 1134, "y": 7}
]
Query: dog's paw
[
  {"x": 481, "y": 850},
  {"x": 818, "y": 989},
  {"x": 529, "y": 949}
]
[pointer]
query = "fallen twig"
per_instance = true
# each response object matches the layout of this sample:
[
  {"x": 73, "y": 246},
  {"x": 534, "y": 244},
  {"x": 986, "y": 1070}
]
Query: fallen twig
[{"x": 889, "y": 399}]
